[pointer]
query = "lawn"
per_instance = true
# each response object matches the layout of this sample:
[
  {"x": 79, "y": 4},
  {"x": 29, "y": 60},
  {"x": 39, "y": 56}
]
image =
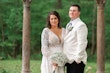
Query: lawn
[{"x": 14, "y": 66}]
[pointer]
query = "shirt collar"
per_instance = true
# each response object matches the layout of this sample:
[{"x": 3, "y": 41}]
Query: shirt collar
[{"x": 74, "y": 21}]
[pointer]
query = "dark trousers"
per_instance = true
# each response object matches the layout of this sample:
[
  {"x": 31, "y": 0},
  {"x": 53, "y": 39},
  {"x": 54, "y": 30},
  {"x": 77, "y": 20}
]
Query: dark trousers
[{"x": 75, "y": 68}]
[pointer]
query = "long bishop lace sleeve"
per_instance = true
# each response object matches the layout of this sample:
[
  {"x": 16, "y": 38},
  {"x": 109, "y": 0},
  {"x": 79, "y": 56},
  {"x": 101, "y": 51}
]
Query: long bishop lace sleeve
[{"x": 44, "y": 42}]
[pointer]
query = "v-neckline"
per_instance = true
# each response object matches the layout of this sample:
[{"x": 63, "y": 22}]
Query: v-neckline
[{"x": 60, "y": 39}]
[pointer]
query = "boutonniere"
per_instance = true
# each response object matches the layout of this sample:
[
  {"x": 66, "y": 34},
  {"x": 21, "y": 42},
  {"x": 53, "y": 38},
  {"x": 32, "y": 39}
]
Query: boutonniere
[{"x": 70, "y": 27}]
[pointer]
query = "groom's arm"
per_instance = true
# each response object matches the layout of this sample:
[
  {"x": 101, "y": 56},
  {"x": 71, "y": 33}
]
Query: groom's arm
[{"x": 82, "y": 32}]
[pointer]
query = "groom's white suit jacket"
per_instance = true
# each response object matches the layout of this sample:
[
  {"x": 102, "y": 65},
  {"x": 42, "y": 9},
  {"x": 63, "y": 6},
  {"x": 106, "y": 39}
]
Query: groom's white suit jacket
[{"x": 75, "y": 42}]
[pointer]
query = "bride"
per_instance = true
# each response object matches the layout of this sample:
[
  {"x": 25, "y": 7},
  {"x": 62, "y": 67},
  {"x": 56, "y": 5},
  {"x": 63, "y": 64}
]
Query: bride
[{"x": 52, "y": 39}]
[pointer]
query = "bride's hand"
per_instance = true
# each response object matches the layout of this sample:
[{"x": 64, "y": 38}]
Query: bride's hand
[
  {"x": 54, "y": 64},
  {"x": 54, "y": 67}
]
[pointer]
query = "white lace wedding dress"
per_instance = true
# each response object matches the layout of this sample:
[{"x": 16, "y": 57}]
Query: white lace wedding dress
[{"x": 50, "y": 44}]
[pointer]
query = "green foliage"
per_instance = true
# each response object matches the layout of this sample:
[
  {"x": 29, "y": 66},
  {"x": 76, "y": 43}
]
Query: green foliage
[
  {"x": 11, "y": 17},
  {"x": 11, "y": 28},
  {"x": 36, "y": 56}
]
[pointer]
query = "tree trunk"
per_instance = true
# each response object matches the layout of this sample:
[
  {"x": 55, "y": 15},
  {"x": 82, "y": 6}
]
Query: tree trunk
[
  {"x": 59, "y": 4},
  {"x": 100, "y": 37},
  {"x": 26, "y": 37},
  {"x": 79, "y": 1}
]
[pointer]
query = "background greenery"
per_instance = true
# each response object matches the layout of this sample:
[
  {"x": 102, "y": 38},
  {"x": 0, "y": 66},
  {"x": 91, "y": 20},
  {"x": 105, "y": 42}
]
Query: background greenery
[{"x": 11, "y": 12}]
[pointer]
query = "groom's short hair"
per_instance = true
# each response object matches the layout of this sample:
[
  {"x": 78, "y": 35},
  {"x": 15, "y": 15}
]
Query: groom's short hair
[{"x": 76, "y": 5}]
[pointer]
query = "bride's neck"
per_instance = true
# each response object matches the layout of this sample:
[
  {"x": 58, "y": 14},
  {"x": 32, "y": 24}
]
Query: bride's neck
[{"x": 54, "y": 27}]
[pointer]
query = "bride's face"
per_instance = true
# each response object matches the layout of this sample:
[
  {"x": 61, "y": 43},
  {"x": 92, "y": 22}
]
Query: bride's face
[{"x": 53, "y": 21}]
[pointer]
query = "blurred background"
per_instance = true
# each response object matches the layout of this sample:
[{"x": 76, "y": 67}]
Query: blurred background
[
  {"x": 11, "y": 22},
  {"x": 11, "y": 18}
]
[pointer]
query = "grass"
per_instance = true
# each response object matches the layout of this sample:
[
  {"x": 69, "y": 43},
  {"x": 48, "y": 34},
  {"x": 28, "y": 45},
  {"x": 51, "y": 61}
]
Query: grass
[
  {"x": 14, "y": 66},
  {"x": 91, "y": 67}
]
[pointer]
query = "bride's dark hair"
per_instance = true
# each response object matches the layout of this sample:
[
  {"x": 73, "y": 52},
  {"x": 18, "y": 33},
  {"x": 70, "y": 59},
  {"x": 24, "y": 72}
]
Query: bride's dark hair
[{"x": 48, "y": 19}]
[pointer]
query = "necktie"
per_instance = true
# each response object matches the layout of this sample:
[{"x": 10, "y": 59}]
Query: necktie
[{"x": 69, "y": 27}]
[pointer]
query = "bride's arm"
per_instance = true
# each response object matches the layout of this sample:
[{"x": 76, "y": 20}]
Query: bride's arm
[{"x": 44, "y": 42}]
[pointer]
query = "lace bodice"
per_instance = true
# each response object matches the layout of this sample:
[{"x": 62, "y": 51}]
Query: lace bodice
[{"x": 50, "y": 41}]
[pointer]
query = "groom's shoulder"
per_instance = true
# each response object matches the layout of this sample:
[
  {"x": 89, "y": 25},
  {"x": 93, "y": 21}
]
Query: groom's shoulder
[{"x": 80, "y": 23}]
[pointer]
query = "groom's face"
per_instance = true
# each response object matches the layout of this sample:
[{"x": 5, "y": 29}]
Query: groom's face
[{"x": 74, "y": 12}]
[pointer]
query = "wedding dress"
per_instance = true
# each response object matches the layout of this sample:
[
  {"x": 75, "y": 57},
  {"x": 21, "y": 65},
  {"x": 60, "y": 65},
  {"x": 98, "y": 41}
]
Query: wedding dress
[{"x": 51, "y": 43}]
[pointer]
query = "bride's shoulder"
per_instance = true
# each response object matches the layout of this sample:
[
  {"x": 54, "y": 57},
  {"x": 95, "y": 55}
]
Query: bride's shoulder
[
  {"x": 63, "y": 29},
  {"x": 45, "y": 30}
]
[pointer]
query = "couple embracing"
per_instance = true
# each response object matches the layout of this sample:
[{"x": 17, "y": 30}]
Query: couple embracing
[{"x": 71, "y": 41}]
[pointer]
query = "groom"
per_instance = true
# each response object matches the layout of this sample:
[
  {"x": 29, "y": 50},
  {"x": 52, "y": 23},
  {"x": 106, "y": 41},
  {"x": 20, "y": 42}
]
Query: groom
[{"x": 75, "y": 41}]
